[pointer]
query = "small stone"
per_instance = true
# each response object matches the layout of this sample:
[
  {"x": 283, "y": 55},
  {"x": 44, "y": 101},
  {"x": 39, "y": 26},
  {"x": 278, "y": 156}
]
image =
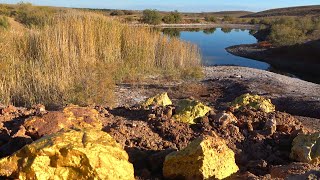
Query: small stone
[
  {"x": 270, "y": 126},
  {"x": 225, "y": 118}
]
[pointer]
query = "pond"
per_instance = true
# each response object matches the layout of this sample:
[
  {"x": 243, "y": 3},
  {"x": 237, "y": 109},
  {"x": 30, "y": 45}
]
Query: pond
[{"x": 212, "y": 43}]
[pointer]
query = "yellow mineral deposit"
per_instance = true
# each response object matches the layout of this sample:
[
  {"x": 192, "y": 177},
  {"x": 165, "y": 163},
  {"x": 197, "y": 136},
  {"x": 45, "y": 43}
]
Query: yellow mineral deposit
[
  {"x": 207, "y": 157},
  {"x": 254, "y": 101},
  {"x": 74, "y": 154},
  {"x": 157, "y": 100},
  {"x": 306, "y": 148},
  {"x": 189, "y": 110}
]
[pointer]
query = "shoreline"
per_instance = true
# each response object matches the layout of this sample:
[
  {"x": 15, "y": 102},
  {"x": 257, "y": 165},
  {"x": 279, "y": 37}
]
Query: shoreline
[
  {"x": 293, "y": 60},
  {"x": 202, "y": 25}
]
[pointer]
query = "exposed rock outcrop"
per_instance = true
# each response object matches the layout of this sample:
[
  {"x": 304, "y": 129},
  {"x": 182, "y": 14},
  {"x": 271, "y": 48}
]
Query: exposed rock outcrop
[
  {"x": 207, "y": 157},
  {"x": 74, "y": 154}
]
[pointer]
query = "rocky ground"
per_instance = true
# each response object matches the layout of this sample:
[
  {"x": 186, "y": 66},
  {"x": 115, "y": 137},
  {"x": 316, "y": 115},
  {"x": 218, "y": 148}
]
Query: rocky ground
[{"x": 261, "y": 149}]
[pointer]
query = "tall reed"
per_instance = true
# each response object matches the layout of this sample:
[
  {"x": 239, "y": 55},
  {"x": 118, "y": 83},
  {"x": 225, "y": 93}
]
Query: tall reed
[{"x": 77, "y": 58}]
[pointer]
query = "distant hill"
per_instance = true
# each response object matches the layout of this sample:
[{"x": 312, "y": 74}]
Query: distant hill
[{"x": 290, "y": 11}]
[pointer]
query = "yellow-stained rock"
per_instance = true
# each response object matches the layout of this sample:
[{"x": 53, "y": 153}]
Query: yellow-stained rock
[
  {"x": 74, "y": 154},
  {"x": 71, "y": 116},
  {"x": 254, "y": 101},
  {"x": 205, "y": 158},
  {"x": 306, "y": 148},
  {"x": 158, "y": 100},
  {"x": 189, "y": 110}
]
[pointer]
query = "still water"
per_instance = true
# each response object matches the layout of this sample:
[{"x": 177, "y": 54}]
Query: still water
[{"x": 212, "y": 43}]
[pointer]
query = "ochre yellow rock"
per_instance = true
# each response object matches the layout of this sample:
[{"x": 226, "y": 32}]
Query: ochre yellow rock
[
  {"x": 158, "y": 100},
  {"x": 205, "y": 158},
  {"x": 254, "y": 101},
  {"x": 71, "y": 116},
  {"x": 74, "y": 154},
  {"x": 189, "y": 110},
  {"x": 306, "y": 148}
]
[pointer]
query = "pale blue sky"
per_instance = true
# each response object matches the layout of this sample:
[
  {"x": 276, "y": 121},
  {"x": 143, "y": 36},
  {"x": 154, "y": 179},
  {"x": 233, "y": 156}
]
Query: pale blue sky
[{"x": 181, "y": 5}]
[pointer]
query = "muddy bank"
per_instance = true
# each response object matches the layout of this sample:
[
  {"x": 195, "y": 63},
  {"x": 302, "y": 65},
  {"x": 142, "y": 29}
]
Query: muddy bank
[{"x": 299, "y": 60}]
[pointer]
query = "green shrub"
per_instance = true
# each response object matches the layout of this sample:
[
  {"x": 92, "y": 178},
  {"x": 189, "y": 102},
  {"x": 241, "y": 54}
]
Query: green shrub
[
  {"x": 4, "y": 23},
  {"x": 227, "y": 19},
  {"x": 4, "y": 10},
  {"x": 210, "y": 19},
  {"x": 151, "y": 16},
  {"x": 254, "y": 21},
  {"x": 283, "y": 35},
  {"x": 173, "y": 17}
]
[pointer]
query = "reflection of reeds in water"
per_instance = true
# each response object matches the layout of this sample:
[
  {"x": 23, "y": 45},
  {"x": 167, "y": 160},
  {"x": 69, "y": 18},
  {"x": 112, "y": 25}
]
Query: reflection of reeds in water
[{"x": 79, "y": 57}]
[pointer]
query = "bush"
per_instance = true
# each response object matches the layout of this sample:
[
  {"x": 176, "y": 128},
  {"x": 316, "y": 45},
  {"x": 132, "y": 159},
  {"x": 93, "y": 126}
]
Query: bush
[
  {"x": 117, "y": 13},
  {"x": 283, "y": 35},
  {"x": 128, "y": 12},
  {"x": 210, "y": 19},
  {"x": 33, "y": 16},
  {"x": 173, "y": 17},
  {"x": 254, "y": 21},
  {"x": 4, "y": 23},
  {"x": 151, "y": 16},
  {"x": 227, "y": 19}
]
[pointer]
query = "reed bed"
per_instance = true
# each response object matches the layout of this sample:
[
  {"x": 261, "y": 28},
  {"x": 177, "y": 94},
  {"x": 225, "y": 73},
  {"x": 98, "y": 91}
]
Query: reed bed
[{"x": 78, "y": 57}]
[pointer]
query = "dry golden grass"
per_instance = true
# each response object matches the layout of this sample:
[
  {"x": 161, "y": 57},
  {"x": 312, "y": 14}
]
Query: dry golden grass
[{"x": 78, "y": 57}]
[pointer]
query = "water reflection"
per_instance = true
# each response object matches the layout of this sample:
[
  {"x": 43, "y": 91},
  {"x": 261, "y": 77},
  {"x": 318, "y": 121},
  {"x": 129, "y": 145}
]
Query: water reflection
[
  {"x": 209, "y": 30},
  {"x": 213, "y": 41}
]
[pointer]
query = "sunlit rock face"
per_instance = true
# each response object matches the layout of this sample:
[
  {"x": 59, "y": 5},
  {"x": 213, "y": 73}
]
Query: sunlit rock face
[
  {"x": 306, "y": 148},
  {"x": 74, "y": 154},
  {"x": 207, "y": 157},
  {"x": 253, "y": 101},
  {"x": 157, "y": 100},
  {"x": 189, "y": 110}
]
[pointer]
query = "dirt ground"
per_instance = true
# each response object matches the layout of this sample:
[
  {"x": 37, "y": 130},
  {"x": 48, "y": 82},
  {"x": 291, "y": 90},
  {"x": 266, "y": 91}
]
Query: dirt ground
[{"x": 262, "y": 151}]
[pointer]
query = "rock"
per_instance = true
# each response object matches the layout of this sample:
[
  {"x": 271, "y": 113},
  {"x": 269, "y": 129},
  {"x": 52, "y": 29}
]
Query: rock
[
  {"x": 157, "y": 100},
  {"x": 270, "y": 126},
  {"x": 40, "y": 109},
  {"x": 225, "y": 118},
  {"x": 189, "y": 110},
  {"x": 253, "y": 101},
  {"x": 71, "y": 116},
  {"x": 306, "y": 148},
  {"x": 207, "y": 157},
  {"x": 74, "y": 154}
]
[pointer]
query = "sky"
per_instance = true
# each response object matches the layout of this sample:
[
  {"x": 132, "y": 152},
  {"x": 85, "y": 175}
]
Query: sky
[{"x": 169, "y": 5}]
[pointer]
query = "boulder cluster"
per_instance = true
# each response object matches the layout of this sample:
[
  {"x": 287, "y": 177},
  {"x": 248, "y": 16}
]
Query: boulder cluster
[{"x": 189, "y": 140}]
